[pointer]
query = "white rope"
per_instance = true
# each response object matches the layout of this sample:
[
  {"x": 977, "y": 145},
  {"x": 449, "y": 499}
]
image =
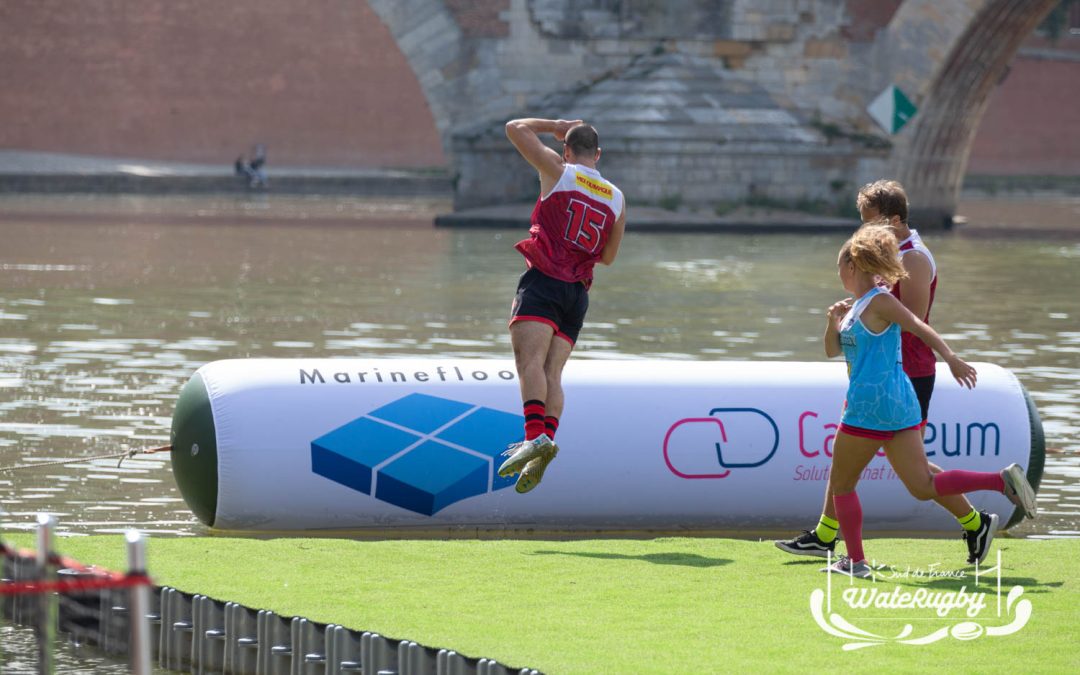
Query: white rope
[{"x": 122, "y": 455}]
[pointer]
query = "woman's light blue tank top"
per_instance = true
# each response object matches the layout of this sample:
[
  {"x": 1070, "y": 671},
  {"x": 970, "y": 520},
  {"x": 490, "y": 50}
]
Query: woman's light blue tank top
[{"x": 879, "y": 395}]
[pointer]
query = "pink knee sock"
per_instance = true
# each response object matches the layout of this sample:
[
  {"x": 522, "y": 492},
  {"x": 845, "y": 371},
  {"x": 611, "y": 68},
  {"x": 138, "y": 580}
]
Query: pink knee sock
[
  {"x": 958, "y": 482},
  {"x": 849, "y": 515}
]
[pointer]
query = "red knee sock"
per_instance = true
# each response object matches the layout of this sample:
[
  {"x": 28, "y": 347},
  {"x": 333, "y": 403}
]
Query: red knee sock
[
  {"x": 958, "y": 482},
  {"x": 552, "y": 425},
  {"x": 534, "y": 418},
  {"x": 849, "y": 514}
]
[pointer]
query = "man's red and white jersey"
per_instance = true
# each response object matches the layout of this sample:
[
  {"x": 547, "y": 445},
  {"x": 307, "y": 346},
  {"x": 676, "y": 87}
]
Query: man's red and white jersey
[
  {"x": 571, "y": 225},
  {"x": 918, "y": 358}
]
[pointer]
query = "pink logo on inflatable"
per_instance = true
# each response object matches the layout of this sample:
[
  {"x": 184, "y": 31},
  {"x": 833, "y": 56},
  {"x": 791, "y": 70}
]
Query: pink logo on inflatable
[
  {"x": 699, "y": 447},
  {"x": 829, "y": 431}
]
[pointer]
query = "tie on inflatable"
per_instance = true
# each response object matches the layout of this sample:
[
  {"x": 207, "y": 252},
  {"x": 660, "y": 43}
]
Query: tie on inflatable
[{"x": 645, "y": 445}]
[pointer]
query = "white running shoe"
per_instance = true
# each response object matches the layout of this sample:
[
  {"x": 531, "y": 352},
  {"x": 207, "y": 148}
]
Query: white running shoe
[
  {"x": 843, "y": 565},
  {"x": 1019, "y": 490},
  {"x": 520, "y": 454}
]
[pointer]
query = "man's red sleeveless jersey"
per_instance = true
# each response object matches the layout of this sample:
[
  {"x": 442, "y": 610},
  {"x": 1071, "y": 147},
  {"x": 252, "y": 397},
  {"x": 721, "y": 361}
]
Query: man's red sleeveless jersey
[
  {"x": 571, "y": 225},
  {"x": 918, "y": 358}
]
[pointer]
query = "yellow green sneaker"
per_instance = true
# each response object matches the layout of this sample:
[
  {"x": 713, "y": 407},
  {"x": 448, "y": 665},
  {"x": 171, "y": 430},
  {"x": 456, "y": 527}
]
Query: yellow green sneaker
[{"x": 533, "y": 472}]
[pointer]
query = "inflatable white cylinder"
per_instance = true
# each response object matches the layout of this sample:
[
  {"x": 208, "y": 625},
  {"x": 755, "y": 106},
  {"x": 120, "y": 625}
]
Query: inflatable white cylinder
[{"x": 275, "y": 444}]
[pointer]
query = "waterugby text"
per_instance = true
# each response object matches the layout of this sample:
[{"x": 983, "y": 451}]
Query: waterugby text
[{"x": 942, "y": 602}]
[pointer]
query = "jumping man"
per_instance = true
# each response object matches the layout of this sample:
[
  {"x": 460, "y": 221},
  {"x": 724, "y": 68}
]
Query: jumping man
[{"x": 578, "y": 221}]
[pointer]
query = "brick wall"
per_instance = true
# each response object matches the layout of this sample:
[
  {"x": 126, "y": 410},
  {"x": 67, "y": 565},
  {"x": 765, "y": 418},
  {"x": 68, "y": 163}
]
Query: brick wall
[
  {"x": 480, "y": 18},
  {"x": 1032, "y": 123},
  {"x": 867, "y": 17},
  {"x": 199, "y": 80}
]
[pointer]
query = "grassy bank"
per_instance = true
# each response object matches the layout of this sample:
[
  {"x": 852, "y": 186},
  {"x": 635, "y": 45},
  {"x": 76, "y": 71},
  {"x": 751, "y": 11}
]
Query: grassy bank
[{"x": 631, "y": 606}]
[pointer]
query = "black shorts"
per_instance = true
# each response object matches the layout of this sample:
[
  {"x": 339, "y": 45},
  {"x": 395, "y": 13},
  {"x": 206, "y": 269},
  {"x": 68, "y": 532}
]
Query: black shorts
[
  {"x": 559, "y": 304},
  {"x": 924, "y": 389}
]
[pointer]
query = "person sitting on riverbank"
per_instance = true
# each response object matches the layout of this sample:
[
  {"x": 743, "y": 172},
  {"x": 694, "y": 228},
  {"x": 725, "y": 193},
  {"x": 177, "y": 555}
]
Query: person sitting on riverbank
[{"x": 253, "y": 170}]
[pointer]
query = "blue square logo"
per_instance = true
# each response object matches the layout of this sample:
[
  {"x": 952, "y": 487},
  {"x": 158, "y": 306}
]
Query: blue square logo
[{"x": 421, "y": 453}]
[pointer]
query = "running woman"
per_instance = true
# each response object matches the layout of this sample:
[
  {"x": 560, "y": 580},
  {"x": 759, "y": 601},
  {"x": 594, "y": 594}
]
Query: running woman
[
  {"x": 881, "y": 408},
  {"x": 887, "y": 200},
  {"x": 578, "y": 221}
]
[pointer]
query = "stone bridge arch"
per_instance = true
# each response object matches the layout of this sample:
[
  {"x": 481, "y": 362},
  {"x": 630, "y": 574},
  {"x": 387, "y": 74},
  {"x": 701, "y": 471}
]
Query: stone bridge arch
[
  {"x": 931, "y": 157},
  {"x": 434, "y": 44},
  {"x": 822, "y": 61}
]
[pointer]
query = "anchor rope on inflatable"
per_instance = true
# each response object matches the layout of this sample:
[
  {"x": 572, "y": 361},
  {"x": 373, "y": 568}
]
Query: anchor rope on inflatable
[{"x": 125, "y": 454}]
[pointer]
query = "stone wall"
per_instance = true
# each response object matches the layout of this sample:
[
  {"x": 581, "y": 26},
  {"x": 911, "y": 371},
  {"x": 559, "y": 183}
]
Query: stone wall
[
  {"x": 821, "y": 61},
  {"x": 684, "y": 132},
  {"x": 687, "y": 174},
  {"x": 560, "y": 56},
  {"x": 396, "y": 83}
]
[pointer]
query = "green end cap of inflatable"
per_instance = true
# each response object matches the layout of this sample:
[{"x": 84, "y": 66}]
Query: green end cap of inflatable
[
  {"x": 1037, "y": 459},
  {"x": 194, "y": 450}
]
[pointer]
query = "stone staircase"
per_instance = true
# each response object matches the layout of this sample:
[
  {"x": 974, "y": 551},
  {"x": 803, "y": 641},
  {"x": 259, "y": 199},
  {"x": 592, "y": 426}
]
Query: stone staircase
[{"x": 676, "y": 127}]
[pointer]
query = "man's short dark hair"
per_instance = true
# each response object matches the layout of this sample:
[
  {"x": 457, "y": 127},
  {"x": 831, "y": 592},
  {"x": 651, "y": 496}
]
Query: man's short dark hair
[
  {"x": 583, "y": 140},
  {"x": 887, "y": 197}
]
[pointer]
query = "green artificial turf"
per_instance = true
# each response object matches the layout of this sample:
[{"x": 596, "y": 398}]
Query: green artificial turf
[{"x": 669, "y": 605}]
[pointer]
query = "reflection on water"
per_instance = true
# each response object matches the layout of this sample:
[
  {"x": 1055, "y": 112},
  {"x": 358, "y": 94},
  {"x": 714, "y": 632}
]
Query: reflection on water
[
  {"x": 18, "y": 655},
  {"x": 100, "y": 326}
]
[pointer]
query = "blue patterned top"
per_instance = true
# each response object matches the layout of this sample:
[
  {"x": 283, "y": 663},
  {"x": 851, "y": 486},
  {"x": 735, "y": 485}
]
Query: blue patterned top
[{"x": 879, "y": 395}]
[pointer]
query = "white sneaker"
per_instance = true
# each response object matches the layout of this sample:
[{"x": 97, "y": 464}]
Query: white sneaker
[
  {"x": 520, "y": 454},
  {"x": 843, "y": 565},
  {"x": 1019, "y": 490}
]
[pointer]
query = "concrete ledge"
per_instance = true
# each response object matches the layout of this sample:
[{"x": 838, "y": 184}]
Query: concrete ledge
[
  {"x": 53, "y": 173},
  {"x": 391, "y": 184},
  {"x": 652, "y": 219}
]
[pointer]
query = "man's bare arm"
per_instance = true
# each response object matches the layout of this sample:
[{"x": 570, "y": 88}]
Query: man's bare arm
[
  {"x": 611, "y": 248},
  {"x": 915, "y": 289},
  {"x": 525, "y": 135}
]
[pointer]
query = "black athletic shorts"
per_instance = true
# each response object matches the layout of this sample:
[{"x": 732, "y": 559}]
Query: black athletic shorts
[
  {"x": 559, "y": 304},
  {"x": 924, "y": 389}
]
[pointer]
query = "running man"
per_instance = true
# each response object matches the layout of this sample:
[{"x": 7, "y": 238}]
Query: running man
[
  {"x": 886, "y": 200},
  {"x": 881, "y": 409},
  {"x": 578, "y": 221}
]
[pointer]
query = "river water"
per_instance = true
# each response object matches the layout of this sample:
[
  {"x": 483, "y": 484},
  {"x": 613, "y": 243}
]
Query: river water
[{"x": 101, "y": 323}]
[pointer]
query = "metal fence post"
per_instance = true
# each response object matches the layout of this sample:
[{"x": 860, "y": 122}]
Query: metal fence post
[
  {"x": 138, "y": 616},
  {"x": 46, "y": 572}
]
